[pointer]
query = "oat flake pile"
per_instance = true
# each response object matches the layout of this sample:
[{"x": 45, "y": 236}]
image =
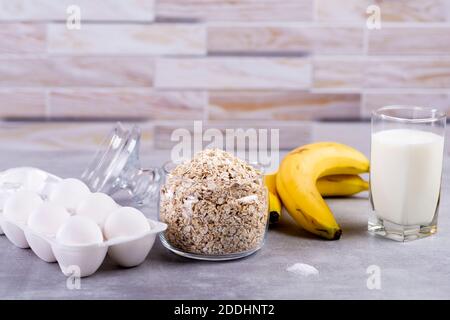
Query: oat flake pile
[{"x": 214, "y": 204}]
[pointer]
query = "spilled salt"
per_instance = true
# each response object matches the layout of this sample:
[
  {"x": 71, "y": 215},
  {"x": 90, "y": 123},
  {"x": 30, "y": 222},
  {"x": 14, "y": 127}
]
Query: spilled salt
[{"x": 303, "y": 269}]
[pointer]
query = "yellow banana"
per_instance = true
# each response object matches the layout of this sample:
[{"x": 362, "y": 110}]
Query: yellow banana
[
  {"x": 274, "y": 200},
  {"x": 274, "y": 208},
  {"x": 341, "y": 185},
  {"x": 270, "y": 180},
  {"x": 330, "y": 186},
  {"x": 296, "y": 183}
]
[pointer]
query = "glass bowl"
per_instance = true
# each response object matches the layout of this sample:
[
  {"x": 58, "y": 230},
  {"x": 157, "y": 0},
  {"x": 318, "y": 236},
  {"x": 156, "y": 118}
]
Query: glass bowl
[{"x": 212, "y": 223}]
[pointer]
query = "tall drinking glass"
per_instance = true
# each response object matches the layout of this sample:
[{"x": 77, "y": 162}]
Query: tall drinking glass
[{"x": 407, "y": 152}]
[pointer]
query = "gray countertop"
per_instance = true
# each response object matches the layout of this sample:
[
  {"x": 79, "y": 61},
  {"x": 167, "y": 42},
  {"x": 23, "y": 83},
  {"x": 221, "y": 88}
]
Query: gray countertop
[{"x": 418, "y": 269}]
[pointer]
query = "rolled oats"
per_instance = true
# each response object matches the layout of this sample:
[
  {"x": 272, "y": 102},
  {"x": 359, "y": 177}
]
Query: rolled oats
[{"x": 214, "y": 204}]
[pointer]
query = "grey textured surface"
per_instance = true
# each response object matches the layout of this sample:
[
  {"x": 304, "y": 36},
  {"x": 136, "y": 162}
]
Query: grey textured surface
[{"x": 419, "y": 269}]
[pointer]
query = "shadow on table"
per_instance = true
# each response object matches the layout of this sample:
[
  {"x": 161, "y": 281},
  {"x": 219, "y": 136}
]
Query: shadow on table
[
  {"x": 289, "y": 227},
  {"x": 350, "y": 227}
]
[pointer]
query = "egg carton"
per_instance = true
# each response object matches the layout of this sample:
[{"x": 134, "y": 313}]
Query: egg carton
[
  {"x": 81, "y": 260},
  {"x": 125, "y": 251}
]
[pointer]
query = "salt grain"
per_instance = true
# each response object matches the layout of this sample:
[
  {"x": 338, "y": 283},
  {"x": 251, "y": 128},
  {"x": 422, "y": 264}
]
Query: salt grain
[{"x": 303, "y": 269}]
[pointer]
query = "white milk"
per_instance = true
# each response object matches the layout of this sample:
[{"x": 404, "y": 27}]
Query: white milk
[{"x": 405, "y": 175}]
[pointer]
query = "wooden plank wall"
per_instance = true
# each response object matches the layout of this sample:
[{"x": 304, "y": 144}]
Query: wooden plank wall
[{"x": 217, "y": 60}]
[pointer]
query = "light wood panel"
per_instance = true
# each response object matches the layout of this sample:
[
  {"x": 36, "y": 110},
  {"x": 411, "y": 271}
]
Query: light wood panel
[
  {"x": 22, "y": 103},
  {"x": 291, "y": 134},
  {"x": 98, "y": 10},
  {"x": 415, "y": 73},
  {"x": 341, "y": 73},
  {"x": 284, "y": 38},
  {"x": 136, "y": 39},
  {"x": 286, "y": 106},
  {"x": 20, "y": 38},
  {"x": 241, "y": 10},
  {"x": 391, "y": 11},
  {"x": 373, "y": 101},
  {"x": 410, "y": 41},
  {"x": 76, "y": 71},
  {"x": 232, "y": 73},
  {"x": 127, "y": 104}
]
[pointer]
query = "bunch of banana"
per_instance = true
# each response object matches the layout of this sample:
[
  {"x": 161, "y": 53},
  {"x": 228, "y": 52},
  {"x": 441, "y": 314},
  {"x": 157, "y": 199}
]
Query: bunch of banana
[
  {"x": 312, "y": 171},
  {"x": 340, "y": 185}
]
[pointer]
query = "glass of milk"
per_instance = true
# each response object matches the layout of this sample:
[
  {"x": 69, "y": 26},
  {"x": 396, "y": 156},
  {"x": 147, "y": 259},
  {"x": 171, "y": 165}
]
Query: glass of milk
[{"x": 407, "y": 152}]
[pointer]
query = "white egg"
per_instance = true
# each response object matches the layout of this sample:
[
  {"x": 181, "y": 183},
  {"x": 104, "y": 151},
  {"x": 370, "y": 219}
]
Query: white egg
[
  {"x": 69, "y": 193},
  {"x": 125, "y": 222},
  {"x": 47, "y": 218},
  {"x": 20, "y": 205},
  {"x": 79, "y": 231},
  {"x": 97, "y": 206},
  {"x": 31, "y": 179}
]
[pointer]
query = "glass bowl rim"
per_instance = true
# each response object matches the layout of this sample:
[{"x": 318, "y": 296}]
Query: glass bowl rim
[{"x": 256, "y": 165}]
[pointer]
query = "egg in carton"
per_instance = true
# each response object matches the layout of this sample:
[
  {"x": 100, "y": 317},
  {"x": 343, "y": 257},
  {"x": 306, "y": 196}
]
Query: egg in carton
[
  {"x": 78, "y": 234},
  {"x": 24, "y": 178}
]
